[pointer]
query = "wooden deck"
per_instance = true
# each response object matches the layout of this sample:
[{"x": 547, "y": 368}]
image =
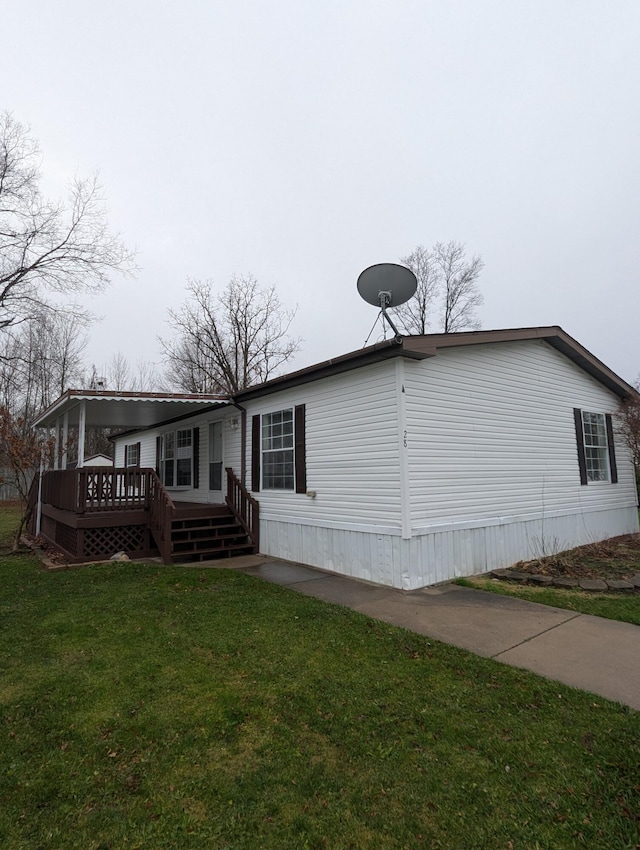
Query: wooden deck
[{"x": 92, "y": 513}]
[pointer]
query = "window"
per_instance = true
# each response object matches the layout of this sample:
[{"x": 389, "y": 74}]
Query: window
[
  {"x": 278, "y": 450},
  {"x": 132, "y": 455},
  {"x": 595, "y": 446},
  {"x": 184, "y": 441},
  {"x": 596, "y": 451},
  {"x": 175, "y": 449}
]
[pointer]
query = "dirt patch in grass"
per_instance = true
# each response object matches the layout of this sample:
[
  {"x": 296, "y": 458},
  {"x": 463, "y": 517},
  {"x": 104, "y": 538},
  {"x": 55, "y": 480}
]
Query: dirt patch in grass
[{"x": 616, "y": 558}]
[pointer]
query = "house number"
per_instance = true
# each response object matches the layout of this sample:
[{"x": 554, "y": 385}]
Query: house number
[{"x": 405, "y": 439}]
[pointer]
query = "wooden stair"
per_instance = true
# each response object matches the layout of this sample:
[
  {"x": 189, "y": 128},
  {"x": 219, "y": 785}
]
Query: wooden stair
[{"x": 206, "y": 532}]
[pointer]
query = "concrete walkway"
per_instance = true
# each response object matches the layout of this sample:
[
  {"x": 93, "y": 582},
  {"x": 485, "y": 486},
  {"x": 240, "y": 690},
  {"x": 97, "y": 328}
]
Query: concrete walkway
[{"x": 592, "y": 653}]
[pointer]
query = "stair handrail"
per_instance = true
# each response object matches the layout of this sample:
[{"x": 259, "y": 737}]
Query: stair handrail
[
  {"x": 244, "y": 507},
  {"x": 161, "y": 509},
  {"x": 31, "y": 507}
]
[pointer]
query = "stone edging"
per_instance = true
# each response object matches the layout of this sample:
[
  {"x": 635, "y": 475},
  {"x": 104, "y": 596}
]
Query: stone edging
[{"x": 593, "y": 585}]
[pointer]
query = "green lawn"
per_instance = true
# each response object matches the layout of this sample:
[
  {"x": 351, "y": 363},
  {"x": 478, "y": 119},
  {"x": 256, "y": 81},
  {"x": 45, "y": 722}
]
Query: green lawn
[
  {"x": 614, "y": 606},
  {"x": 159, "y": 707},
  {"x": 608, "y": 559}
]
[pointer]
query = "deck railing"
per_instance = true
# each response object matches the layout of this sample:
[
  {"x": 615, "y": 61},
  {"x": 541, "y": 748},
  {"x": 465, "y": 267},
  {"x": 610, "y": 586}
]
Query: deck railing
[
  {"x": 161, "y": 510},
  {"x": 244, "y": 507},
  {"x": 97, "y": 488}
]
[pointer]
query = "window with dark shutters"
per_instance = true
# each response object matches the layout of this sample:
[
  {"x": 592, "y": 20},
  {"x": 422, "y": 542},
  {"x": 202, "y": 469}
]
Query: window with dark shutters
[
  {"x": 278, "y": 450},
  {"x": 596, "y": 447}
]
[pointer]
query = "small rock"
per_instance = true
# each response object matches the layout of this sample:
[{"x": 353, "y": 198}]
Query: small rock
[
  {"x": 503, "y": 575},
  {"x": 594, "y": 585},
  {"x": 566, "y": 583},
  {"x": 514, "y": 575},
  {"x": 119, "y": 556},
  {"x": 541, "y": 580},
  {"x": 620, "y": 585}
]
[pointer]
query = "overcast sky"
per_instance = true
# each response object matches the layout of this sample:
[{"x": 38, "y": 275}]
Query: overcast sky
[{"x": 303, "y": 141}]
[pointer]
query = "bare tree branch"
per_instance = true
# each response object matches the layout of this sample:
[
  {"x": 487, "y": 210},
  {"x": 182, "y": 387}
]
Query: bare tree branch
[
  {"x": 461, "y": 294},
  {"x": 227, "y": 342},
  {"x": 415, "y": 316},
  {"x": 447, "y": 283},
  {"x": 628, "y": 427},
  {"x": 47, "y": 245}
]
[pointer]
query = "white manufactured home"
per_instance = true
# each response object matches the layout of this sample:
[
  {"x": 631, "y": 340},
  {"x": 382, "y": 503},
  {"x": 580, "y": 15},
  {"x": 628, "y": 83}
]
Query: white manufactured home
[{"x": 412, "y": 461}]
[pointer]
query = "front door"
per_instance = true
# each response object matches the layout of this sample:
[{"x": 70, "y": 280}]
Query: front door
[{"x": 215, "y": 457}]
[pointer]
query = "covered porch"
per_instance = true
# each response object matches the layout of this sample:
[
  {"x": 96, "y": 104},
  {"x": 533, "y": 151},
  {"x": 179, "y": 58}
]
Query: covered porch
[
  {"x": 90, "y": 512},
  {"x": 72, "y": 416}
]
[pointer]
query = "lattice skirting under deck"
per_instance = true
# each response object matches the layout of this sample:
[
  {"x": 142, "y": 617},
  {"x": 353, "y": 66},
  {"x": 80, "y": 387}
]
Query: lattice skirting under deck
[
  {"x": 87, "y": 544},
  {"x": 124, "y": 538}
]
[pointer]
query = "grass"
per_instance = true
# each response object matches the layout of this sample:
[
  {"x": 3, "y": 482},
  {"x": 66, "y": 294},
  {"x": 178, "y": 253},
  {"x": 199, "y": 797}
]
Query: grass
[
  {"x": 617, "y": 558},
  {"x": 161, "y": 707},
  {"x": 613, "y": 606}
]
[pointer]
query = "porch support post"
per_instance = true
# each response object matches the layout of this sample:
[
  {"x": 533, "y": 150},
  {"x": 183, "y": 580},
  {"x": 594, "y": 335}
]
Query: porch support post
[
  {"x": 56, "y": 447},
  {"x": 82, "y": 424},
  {"x": 65, "y": 438}
]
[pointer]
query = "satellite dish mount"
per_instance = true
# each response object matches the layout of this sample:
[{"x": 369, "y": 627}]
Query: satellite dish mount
[{"x": 387, "y": 285}]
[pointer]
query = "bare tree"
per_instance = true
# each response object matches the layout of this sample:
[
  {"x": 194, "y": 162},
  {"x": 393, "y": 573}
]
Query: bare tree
[
  {"x": 415, "y": 316},
  {"x": 39, "y": 359},
  {"x": 21, "y": 453},
  {"x": 47, "y": 245},
  {"x": 461, "y": 294},
  {"x": 628, "y": 426},
  {"x": 119, "y": 375},
  {"x": 229, "y": 341},
  {"x": 447, "y": 284}
]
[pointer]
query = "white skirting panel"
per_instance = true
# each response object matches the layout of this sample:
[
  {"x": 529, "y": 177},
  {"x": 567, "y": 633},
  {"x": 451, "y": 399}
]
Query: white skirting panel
[{"x": 434, "y": 557}]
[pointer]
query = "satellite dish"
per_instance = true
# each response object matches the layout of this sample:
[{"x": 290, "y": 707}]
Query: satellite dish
[{"x": 387, "y": 285}]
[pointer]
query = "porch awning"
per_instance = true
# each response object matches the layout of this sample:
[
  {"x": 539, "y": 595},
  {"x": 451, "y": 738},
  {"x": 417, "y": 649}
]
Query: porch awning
[{"x": 126, "y": 410}]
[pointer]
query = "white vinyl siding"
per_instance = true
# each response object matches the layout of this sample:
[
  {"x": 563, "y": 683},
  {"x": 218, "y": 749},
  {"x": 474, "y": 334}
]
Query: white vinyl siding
[
  {"x": 491, "y": 434},
  {"x": 351, "y": 451}
]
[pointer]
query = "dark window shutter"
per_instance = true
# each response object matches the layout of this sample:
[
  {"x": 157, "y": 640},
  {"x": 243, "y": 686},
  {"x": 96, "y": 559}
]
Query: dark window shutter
[
  {"x": 126, "y": 456},
  {"x": 158, "y": 446},
  {"x": 139, "y": 453},
  {"x": 612, "y": 449},
  {"x": 301, "y": 449},
  {"x": 255, "y": 453},
  {"x": 196, "y": 458},
  {"x": 582, "y": 463}
]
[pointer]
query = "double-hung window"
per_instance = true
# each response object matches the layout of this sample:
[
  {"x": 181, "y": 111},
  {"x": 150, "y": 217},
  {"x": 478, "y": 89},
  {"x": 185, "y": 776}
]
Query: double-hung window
[
  {"x": 596, "y": 451},
  {"x": 132, "y": 454},
  {"x": 176, "y": 458},
  {"x": 278, "y": 449},
  {"x": 595, "y": 446}
]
